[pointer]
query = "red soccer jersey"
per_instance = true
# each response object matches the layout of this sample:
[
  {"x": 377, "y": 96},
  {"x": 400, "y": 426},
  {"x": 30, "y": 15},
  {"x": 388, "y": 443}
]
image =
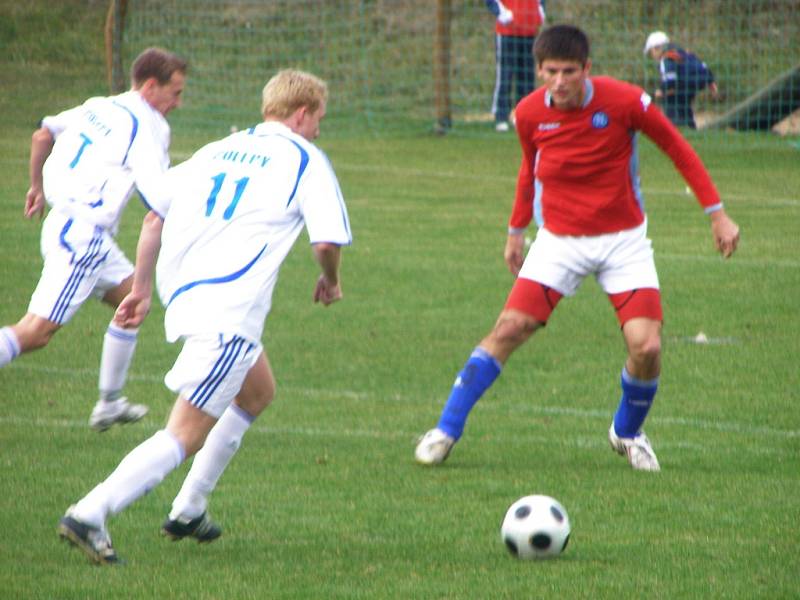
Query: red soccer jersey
[
  {"x": 579, "y": 173},
  {"x": 527, "y": 18}
]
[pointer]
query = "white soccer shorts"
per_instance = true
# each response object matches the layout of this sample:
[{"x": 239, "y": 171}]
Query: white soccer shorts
[
  {"x": 619, "y": 261},
  {"x": 80, "y": 260},
  {"x": 211, "y": 369}
]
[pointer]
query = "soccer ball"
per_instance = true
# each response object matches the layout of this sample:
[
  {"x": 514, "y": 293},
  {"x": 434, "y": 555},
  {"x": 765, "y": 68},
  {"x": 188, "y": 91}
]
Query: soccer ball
[{"x": 535, "y": 527}]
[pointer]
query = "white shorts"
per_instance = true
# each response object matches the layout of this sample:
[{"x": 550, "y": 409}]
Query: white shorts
[
  {"x": 619, "y": 261},
  {"x": 210, "y": 370},
  {"x": 80, "y": 260}
]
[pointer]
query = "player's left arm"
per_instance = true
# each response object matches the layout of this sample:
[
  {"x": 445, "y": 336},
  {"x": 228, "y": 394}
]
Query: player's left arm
[
  {"x": 325, "y": 215},
  {"x": 659, "y": 129},
  {"x": 42, "y": 142},
  {"x": 328, "y": 289},
  {"x": 133, "y": 309}
]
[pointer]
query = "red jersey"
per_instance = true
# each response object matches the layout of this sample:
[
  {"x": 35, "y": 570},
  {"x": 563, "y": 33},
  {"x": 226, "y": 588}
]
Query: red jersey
[
  {"x": 527, "y": 18},
  {"x": 585, "y": 163}
]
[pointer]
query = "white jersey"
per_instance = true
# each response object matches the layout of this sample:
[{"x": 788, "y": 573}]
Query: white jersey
[
  {"x": 103, "y": 149},
  {"x": 231, "y": 214}
]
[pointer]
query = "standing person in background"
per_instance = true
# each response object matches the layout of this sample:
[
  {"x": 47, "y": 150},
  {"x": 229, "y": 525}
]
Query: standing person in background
[
  {"x": 516, "y": 25},
  {"x": 683, "y": 76},
  {"x": 224, "y": 221},
  {"x": 86, "y": 162},
  {"x": 579, "y": 180}
]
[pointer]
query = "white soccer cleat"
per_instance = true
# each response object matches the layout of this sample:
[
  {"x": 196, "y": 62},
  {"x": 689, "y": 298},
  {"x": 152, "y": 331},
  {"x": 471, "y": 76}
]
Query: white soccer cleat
[
  {"x": 637, "y": 449},
  {"x": 105, "y": 414},
  {"x": 433, "y": 447},
  {"x": 502, "y": 126}
]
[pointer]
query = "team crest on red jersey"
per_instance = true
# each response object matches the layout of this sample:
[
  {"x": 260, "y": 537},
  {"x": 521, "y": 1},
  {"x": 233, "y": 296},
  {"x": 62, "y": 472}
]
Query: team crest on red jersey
[{"x": 599, "y": 120}]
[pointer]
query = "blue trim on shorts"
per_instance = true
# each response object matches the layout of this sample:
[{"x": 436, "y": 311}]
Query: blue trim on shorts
[
  {"x": 78, "y": 273},
  {"x": 62, "y": 239},
  {"x": 218, "y": 372}
]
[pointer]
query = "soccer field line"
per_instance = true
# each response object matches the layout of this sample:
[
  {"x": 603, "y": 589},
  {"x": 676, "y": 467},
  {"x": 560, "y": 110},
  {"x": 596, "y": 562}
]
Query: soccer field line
[
  {"x": 310, "y": 392},
  {"x": 480, "y": 177},
  {"x": 737, "y": 260},
  {"x": 585, "y": 442},
  {"x": 701, "y": 424}
]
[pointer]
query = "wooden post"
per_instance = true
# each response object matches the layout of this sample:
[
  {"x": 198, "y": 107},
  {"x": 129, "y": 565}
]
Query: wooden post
[
  {"x": 115, "y": 24},
  {"x": 441, "y": 67}
]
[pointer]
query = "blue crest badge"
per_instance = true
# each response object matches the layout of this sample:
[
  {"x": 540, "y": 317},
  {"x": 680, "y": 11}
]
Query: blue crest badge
[{"x": 599, "y": 120}]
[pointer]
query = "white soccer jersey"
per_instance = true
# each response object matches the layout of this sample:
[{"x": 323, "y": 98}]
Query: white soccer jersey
[
  {"x": 103, "y": 148},
  {"x": 231, "y": 214}
]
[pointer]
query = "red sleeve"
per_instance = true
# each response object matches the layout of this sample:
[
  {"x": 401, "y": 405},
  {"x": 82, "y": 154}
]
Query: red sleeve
[
  {"x": 522, "y": 213},
  {"x": 659, "y": 129}
]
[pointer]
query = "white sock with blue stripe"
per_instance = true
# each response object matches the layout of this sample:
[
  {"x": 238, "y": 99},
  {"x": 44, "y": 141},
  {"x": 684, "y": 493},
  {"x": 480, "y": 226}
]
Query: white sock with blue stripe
[
  {"x": 118, "y": 347},
  {"x": 210, "y": 462},
  {"x": 9, "y": 346}
]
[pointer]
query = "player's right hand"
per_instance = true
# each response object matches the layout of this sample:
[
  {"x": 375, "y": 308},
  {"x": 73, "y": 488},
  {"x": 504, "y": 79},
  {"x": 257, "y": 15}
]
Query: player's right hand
[
  {"x": 34, "y": 202},
  {"x": 326, "y": 292},
  {"x": 132, "y": 311},
  {"x": 506, "y": 16},
  {"x": 514, "y": 252}
]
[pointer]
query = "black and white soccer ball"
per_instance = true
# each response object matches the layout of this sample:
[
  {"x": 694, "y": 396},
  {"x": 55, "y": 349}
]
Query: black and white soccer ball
[{"x": 536, "y": 527}]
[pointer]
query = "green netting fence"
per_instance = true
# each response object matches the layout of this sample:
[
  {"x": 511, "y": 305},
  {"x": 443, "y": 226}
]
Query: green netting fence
[{"x": 410, "y": 65}]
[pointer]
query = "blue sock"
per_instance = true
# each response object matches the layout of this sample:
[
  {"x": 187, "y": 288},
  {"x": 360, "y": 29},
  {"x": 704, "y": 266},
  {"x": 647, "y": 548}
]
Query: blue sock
[
  {"x": 637, "y": 398},
  {"x": 478, "y": 374}
]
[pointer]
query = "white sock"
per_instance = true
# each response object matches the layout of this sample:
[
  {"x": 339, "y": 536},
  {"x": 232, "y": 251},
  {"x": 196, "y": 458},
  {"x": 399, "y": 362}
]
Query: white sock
[
  {"x": 9, "y": 346},
  {"x": 140, "y": 471},
  {"x": 118, "y": 347},
  {"x": 221, "y": 444}
]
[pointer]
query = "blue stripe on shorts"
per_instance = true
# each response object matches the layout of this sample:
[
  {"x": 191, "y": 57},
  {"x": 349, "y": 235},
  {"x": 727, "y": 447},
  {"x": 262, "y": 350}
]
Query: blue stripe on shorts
[
  {"x": 79, "y": 271},
  {"x": 218, "y": 372}
]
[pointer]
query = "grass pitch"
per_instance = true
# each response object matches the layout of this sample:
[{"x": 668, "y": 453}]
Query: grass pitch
[{"x": 324, "y": 499}]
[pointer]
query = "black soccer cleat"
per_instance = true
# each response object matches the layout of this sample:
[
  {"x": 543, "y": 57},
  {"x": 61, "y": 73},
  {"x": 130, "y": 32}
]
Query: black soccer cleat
[
  {"x": 94, "y": 542},
  {"x": 201, "y": 528}
]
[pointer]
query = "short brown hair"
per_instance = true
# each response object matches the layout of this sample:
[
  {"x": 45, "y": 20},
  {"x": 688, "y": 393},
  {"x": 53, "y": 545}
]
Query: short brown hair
[
  {"x": 561, "y": 42},
  {"x": 158, "y": 63},
  {"x": 288, "y": 90}
]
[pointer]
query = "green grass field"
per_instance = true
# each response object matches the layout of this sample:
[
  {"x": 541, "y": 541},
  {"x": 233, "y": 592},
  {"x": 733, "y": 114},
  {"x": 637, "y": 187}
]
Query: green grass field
[{"x": 324, "y": 499}]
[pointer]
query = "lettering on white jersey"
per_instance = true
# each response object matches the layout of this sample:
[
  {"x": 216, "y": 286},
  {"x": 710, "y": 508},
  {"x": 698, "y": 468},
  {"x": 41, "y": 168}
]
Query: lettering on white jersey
[
  {"x": 96, "y": 123},
  {"x": 645, "y": 99},
  {"x": 549, "y": 126},
  {"x": 242, "y": 157}
]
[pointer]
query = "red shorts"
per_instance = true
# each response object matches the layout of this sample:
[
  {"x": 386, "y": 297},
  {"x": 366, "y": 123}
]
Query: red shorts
[{"x": 539, "y": 301}]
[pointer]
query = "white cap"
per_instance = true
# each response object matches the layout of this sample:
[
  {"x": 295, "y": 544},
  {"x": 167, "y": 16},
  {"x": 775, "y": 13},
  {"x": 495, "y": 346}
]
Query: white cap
[{"x": 654, "y": 40}]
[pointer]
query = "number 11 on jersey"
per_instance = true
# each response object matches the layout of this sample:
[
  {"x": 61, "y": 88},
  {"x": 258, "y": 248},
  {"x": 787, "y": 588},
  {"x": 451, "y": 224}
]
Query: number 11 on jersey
[{"x": 237, "y": 194}]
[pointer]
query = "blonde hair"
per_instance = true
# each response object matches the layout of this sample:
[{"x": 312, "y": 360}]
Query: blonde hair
[{"x": 289, "y": 90}]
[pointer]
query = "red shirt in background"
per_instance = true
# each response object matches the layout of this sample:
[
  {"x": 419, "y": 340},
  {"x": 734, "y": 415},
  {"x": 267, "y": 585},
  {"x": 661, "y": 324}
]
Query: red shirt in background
[{"x": 527, "y": 18}]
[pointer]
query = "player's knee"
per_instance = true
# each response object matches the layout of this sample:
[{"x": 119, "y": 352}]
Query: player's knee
[
  {"x": 254, "y": 402},
  {"x": 33, "y": 335},
  {"x": 646, "y": 351},
  {"x": 513, "y": 329}
]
